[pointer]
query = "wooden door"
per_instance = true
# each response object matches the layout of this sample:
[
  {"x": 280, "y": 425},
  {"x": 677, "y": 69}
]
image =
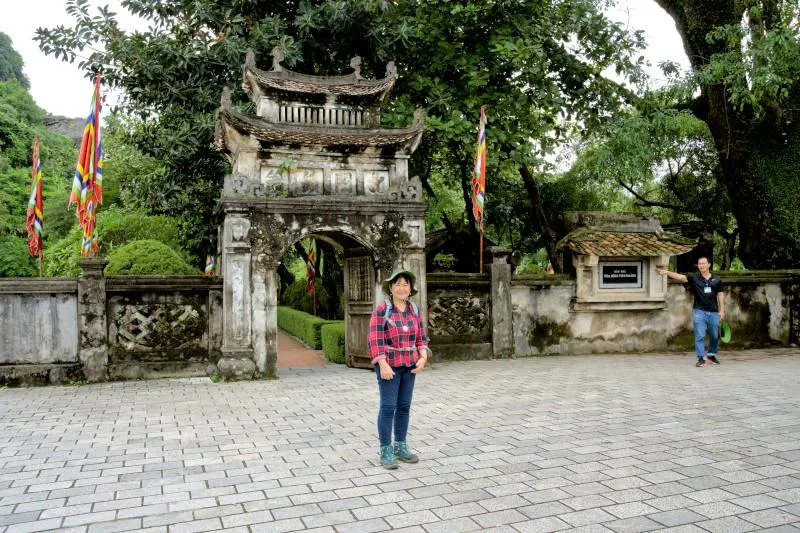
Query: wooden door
[{"x": 359, "y": 283}]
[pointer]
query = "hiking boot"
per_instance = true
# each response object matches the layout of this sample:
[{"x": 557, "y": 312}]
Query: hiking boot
[
  {"x": 403, "y": 453},
  {"x": 388, "y": 460},
  {"x": 700, "y": 363},
  {"x": 713, "y": 359}
]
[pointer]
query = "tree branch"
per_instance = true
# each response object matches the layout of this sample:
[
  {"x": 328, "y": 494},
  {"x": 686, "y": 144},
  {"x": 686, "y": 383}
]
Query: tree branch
[
  {"x": 644, "y": 202},
  {"x": 548, "y": 235}
]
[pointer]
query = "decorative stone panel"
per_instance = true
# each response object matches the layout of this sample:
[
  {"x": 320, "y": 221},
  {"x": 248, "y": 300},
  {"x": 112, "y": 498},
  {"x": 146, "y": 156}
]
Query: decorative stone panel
[
  {"x": 157, "y": 326},
  {"x": 459, "y": 316}
]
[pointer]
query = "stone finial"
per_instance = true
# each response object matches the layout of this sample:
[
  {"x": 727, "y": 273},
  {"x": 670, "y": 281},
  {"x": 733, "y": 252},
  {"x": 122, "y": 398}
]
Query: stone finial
[
  {"x": 391, "y": 70},
  {"x": 225, "y": 101},
  {"x": 355, "y": 63},
  {"x": 277, "y": 57},
  {"x": 500, "y": 254},
  {"x": 250, "y": 59}
]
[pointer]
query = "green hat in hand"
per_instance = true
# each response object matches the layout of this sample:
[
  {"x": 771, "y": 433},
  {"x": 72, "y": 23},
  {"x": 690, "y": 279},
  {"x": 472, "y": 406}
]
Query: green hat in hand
[{"x": 724, "y": 332}]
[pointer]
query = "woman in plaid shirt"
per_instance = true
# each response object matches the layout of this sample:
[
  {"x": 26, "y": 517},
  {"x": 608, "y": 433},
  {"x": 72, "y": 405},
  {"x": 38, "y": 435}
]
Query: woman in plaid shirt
[{"x": 398, "y": 346}]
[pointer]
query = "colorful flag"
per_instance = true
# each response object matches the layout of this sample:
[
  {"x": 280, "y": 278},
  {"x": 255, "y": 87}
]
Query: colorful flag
[
  {"x": 479, "y": 172},
  {"x": 210, "y": 266},
  {"x": 33, "y": 222},
  {"x": 87, "y": 184},
  {"x": 311, "y": 253}
]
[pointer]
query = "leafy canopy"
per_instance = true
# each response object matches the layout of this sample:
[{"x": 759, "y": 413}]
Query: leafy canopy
[{"x": 540, "y": 66}]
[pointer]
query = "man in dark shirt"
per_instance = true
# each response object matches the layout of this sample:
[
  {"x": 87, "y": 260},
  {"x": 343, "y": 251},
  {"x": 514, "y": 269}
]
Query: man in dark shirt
[{"x": 708, "y": 309}]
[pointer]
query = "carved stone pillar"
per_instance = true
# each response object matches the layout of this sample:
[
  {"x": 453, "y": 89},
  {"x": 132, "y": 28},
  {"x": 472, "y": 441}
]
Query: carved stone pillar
[
  {"x": 415, "y": 262},
  {"x": 92, "y": 322},
  {"x": 268, "y": 238},
  {"x": 265, "y": 315},
  {"x": 502, "y": 330},
  {"x": 237, "y": 350}
]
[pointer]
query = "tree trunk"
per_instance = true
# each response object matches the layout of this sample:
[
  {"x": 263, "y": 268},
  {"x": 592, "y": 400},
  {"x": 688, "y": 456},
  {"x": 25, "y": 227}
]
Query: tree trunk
[
  {"x": 548, "y": 235},
  {"x": 751, "y": 147}
]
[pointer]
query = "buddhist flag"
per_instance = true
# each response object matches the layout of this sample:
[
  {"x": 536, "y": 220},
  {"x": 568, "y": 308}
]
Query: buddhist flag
[
  {"x": 87, "y": 184},
  {"x": 210, "y": 266},
  {"x": 479, "y": 172},
  {"x": 33, "y": 222},
  {"x": 310, "y": 270}
]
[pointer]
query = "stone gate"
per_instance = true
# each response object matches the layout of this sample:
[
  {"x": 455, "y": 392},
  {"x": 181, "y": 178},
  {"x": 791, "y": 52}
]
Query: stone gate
[{"x": 312, "y": 161}]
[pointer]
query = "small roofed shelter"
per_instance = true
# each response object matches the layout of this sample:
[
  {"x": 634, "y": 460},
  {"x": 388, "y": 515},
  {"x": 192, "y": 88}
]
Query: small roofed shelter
[
  {"x": 615, "y": 257},
  {"x": 312, "y": 161}
]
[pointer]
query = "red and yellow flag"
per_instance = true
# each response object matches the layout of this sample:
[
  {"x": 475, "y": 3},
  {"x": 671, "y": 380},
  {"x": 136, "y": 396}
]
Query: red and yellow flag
[
  {"x": 479, "y": 172},
  {"x": 87, "y": 184},
  {"x": 35, "y": 215},
  {"x": 311, "y": 271}
]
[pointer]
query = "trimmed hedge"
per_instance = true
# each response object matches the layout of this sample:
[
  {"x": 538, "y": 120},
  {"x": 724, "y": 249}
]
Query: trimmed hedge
[
  {"x": 305, "y": 327},
  {"x": 333, "y": 342}
]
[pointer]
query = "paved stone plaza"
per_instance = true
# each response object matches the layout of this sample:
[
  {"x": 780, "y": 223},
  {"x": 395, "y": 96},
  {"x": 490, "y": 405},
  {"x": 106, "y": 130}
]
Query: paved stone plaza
[{"x": 617, "y": 443}]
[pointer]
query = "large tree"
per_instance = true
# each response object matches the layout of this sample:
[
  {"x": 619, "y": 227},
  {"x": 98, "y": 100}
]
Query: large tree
[
  {"x": 746, "y": 58},
  {"x": 11, "y": 62}
]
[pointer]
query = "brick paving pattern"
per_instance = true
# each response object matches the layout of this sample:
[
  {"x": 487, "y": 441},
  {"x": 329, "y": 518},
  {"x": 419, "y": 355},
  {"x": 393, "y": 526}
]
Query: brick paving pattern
[{"x": 620, "y": 443}]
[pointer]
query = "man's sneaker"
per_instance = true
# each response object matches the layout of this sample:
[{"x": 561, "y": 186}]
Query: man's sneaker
[
  {"x": 388, "y": 460},
  {"x": 700, "y": 363},
  {"x": 713, "y": 359},
  {"x": 403, "y": 453}
]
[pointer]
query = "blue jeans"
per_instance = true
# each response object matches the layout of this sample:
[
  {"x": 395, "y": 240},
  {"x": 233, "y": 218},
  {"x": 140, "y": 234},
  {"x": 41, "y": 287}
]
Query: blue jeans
[
  {"x": 395, "y": 404},
  {"x": 705, "y": 321}
]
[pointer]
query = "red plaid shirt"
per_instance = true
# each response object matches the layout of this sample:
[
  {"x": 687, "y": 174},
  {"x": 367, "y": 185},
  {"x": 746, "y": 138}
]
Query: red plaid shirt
[{"x": 398, "y": 338}]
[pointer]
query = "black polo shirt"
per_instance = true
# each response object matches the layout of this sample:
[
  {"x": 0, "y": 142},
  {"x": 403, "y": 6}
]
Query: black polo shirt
[{"x": 705, "y": 291}]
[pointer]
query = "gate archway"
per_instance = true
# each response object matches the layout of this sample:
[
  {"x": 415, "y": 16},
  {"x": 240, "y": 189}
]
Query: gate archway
[{"x": 313, "y": 160}]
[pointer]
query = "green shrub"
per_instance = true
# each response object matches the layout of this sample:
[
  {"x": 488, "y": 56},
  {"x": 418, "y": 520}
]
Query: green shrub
[
  {"x": 147, "y": 257},
  {"x": 296, "y": 297},
  {"x": 305, "y": 327},
  {"x": 333, "y": 342},
  {"x": 15, "y": 259},
  {"x": 115, "y": 228}
]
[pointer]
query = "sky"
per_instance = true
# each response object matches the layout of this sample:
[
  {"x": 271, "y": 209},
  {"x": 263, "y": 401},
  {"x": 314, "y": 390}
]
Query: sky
[{"x": 61, "y": 89}]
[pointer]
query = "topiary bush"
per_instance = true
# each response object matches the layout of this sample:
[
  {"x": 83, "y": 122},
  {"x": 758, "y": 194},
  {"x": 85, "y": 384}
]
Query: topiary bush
[
  {"x": 147, "y": 257},
  {"x": 333, "y": 342}
]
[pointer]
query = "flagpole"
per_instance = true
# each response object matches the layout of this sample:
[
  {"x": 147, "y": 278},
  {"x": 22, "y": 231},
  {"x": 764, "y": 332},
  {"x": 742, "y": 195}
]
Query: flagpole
[{"x": 481, "y": 250}]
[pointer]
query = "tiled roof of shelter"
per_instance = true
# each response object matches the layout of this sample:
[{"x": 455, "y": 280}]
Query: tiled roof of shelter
[
  {"x": 588, "y": 241},
  {"x": 279, "y": 78},
  {"x": 311, "y": 135}
]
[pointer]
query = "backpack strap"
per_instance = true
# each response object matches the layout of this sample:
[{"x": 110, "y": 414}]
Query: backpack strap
[{"x": 387, "y": 313}]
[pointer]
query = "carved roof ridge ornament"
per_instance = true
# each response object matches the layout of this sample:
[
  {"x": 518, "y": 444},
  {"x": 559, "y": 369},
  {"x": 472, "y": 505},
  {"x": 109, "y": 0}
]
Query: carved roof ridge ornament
[
  {"x": 281, "y": 133},
  {"x": 283, "y": 79}
]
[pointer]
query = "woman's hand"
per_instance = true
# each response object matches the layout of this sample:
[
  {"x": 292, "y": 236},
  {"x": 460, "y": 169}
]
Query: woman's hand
[
  {"x": 421, "y": 361},
  {"x": 386, "y": 371}
]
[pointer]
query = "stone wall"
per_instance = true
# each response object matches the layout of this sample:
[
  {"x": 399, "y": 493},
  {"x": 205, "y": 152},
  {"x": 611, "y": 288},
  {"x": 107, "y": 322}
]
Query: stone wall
[
  {"x": 38, "y": 321},
  {"x": 459, "y": 316},
  {"x": 161, "y": 326},
  {"x": 96, "y": 328},
  {"x": 759, "y": 309}
]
